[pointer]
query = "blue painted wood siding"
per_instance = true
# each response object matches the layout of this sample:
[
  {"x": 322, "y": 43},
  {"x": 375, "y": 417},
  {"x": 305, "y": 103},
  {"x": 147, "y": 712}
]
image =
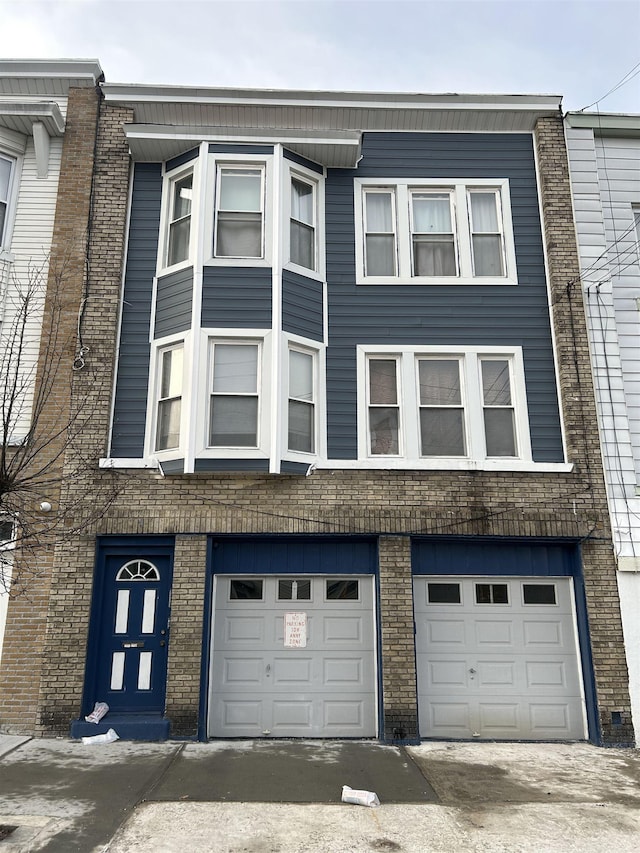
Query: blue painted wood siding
[
  {"x": 173, "y": 303},
  {"x": 298, "y": 555},
  {"x": 302, "y": 306},
  {"x": 435, "y": 556},
  {"x": 449, "y": 315},
  {"x": 236, "y": 297},
  {"x": 133, "y": 360}
]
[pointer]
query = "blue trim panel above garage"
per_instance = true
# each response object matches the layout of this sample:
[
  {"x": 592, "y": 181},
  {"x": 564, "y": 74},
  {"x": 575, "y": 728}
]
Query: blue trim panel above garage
[
  {"x": 173, "y": 303},
  {"x": 236, "y": 297},
  {"x": 319, "y": 555},
  {"x": 452, "y": 556},
  {"x": 133, "y": 359},
  {"x": 447, "y": 315},
  {"x": 302, "y": 306}
]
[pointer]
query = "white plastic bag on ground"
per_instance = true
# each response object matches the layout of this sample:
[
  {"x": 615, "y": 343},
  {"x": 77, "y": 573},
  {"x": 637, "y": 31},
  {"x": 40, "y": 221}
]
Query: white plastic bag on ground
[
  {"x": 99, "y": 710},
  {"x": 359, "y": 798},
  {"x": 108, "y": 737}
]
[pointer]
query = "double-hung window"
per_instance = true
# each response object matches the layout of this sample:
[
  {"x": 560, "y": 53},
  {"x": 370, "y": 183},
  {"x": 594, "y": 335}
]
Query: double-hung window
[
  {"x": 234, "y": 394},
  {"x": 6, "y": 172},
  {"x": 424, "y": 231},
  {"x": 180, "y": 220},
  {"x": 239, "y": 212},
  {"x": 426, "y": 404},
  {"x": 383, "y": 405},
  {"x": 169, "y": 409},
  {"x": 302, "y": 402},
  {"x": 302, "y": 229}
]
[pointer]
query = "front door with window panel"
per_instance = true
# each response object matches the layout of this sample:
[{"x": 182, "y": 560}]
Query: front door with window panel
[
  {"x": 497, "y": 658},
  {"x": 132, "y": 656},
  {"x": 293, "y": 656}
]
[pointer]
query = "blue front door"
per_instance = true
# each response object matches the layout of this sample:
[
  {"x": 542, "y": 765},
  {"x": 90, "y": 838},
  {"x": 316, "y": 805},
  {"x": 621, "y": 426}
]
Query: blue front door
[{"x": 131, "y": 671}]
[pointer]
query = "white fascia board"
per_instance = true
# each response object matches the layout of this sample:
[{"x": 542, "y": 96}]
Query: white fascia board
[
  {"x": 69, "y": 72},
  {"x": 270, "y": 136},
  {"x": 21, "y": 116},
  {"x": 399, "y": 464},
  {"x": 606, "y": 124},
  {"x": 291, "y": 97}
]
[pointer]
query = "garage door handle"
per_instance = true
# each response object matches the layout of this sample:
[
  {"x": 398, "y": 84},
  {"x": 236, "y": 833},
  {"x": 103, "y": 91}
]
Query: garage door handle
[
  {"x": 472, "y": 671},
  {"x": 268, "y": 669}
]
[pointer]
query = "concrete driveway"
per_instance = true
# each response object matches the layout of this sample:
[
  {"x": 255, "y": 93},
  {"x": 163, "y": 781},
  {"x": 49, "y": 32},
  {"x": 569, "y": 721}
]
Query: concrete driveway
[{"x": 276, "y": 796}]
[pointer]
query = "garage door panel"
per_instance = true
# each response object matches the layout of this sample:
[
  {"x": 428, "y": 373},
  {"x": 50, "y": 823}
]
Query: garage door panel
[
  {"x": 502, "y": 663},
  {"x": 324, "y": 688}
]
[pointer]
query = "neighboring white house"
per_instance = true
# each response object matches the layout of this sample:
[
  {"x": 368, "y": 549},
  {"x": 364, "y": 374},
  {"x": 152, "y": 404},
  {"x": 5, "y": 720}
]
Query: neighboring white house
[
  {"x": 33, "y": 107},
  {"x": 604, "y": 158}
]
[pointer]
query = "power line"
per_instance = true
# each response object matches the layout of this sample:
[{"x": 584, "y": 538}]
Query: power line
[{"x": 628, "y": 77}]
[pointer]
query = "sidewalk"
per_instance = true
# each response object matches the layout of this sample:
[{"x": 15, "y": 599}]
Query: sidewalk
[{"x": 271, "y": 796}]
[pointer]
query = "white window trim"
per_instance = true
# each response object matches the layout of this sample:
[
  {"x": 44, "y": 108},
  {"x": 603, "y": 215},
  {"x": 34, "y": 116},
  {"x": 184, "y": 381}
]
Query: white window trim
[
  {"x": 409, "y": 439},
  {"x": 12, "y": 198},
  {"x": 306, "y": 176},
  {"x": 238, "y": 161},
  {"x": 317, "y": 351},
  {"x": 169, "y": 179},
  {"x": 202, "y": 390},
  {"x": 157, "y": 348},
  {"x": 458, "y": 187}
]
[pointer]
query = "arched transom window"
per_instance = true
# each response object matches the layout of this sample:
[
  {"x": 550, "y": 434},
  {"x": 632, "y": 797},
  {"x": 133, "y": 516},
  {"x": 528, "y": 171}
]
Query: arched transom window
[{"x": 138, "y": 570}]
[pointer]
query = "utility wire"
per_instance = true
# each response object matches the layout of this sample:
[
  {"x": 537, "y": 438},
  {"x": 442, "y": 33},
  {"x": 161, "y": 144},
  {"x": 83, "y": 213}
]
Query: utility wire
[{"x": 628, "y": 77}]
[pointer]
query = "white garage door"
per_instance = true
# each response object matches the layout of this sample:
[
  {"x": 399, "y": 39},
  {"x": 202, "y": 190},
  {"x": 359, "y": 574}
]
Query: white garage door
[
  {"x": 293, "y": 657},
  {"x": 496, "y": 658}
]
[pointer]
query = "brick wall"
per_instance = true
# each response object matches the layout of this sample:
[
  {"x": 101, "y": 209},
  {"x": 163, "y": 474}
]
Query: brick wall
[
  {"x": 22, "y": 658},
  {"x": 392, "y": 504}
]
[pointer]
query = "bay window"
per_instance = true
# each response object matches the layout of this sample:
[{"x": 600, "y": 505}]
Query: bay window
[
  {"x": 426, "y": 231},
  {"x": 180, "y": 220},
  {"x": 239, "y": 212},
  {"x": 302, "y": 402},
  {"x": 234, "y": 395},
  {"x": 169, "y": 403},
  {"x": 302, "y": 230}
]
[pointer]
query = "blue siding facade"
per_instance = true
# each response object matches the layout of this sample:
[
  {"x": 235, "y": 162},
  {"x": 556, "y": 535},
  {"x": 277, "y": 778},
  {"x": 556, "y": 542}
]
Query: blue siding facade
[
  {"x": 449, "y": 315},
  {"x": 300, "y": 555},
  {"x": 236, "y": 297},
  {"x": 174, "y": 300},
  {"x": 302, "y": 308},
  {"x": 133, "y": 362}
]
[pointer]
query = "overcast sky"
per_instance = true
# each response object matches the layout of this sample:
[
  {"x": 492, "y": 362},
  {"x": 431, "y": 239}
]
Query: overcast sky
[{"x": 580, "y": 49}]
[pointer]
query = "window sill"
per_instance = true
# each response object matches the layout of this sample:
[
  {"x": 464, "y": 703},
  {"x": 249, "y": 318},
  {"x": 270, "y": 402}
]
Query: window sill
[
  {"x": 237, "y": 262},
  {"x": 396, "y": 464},
  {"x": 444, "y": 280},
  {"x": 304, "y": 271}
]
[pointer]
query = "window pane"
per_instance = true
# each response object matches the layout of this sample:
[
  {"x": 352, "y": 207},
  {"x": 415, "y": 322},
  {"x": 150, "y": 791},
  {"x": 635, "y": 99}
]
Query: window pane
[
  {"x": 302, "y": 201},
  {"x": 496, "y": 389},
  {"x": 3, "y": 214},
  {"x": 439, "y": 382},
  {"x": 492, "y": 593},
  {"x": 431, "y": 214},
  {"x": 382, "y": 382},
  {"x": 539, "y": 593},
  {"x": 381, "y": 254},
  {"x": 5, "y": 175},
  {"x": 168, "y": 430},
  {"x": 6, "y": 530},
  {"x": 234, "y": 422},
  {"x": 294, "y": 590},
  {"x": 433, "y": 256},
  {"x": 383, "y": 429},
  {"x": 179, "y": 241},
  {"x": 499, "y": 432},
  {"x": 245, "y": 589},
  {"x": 239, "y": 235},
  {"x": 444, "y": 593},
  {"x": 171, "y": 381},
  {"x": 379, "y": 212},
  {"x": 240, "y": 189},
  {"x": 300, "y": 375},
  {"x": 442, "y": 432},
  {"x": 484, "y": 215},
  {"x": 487, "y": 255},
  {"x": 301, "y": 417},
  {"x": 182, "y": 195},
  {"x": 235, "y": 368},
  {"x": 302, "y": 248},
  {"x": 342, "y": 590}
]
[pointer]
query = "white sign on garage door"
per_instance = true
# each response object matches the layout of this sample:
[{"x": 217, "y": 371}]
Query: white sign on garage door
[
  {"x": 293, "y": 657},
  {"x": 497, "y": 658}
]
